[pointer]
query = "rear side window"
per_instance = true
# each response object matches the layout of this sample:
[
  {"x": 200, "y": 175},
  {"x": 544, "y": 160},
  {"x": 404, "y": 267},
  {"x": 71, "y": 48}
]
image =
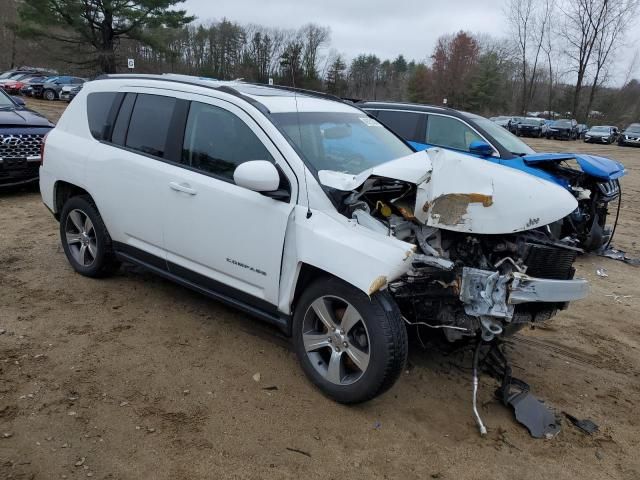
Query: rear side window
[
  {"x": 149, "y": 124},
  {"x": 98, "y": 109},
  {"x": 450, "y": 132},
  {"x": 216, "y": 141},
  {"x": 404, "y": 124}
]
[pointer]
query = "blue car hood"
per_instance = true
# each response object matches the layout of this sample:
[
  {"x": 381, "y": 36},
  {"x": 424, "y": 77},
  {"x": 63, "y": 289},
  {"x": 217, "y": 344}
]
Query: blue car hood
[{"x": 599, "y": 167}]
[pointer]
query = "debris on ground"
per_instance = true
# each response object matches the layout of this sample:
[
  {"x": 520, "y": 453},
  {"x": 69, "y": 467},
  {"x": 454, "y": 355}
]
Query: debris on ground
[
  {"x": 620, "y": 255},
  {"x": 301, "y": 452},
  {"x": 586, "y": 425},
  {"x": 602, "y": 272},
  {"x": 256, "y": 377}
]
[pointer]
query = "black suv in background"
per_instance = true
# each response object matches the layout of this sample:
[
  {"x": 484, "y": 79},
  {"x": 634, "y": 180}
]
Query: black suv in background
[
  {"x": 630, "y": 136},
  {"x": 21, "y": 134},
  {"x": 563, "y": 129}
]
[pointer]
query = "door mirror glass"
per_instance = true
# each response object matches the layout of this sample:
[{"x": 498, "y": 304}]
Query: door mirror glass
[
  {"x": 481, "y": 148},
  {"x": 257, "y": 175},
  {"x": 19, "y": 101}
]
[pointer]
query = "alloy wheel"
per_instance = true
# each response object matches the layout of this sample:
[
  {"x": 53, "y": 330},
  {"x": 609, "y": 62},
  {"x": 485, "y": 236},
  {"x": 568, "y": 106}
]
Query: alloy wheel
[
  {"x": 80, "y": 236},
  {"x": 336, "y": 340}
]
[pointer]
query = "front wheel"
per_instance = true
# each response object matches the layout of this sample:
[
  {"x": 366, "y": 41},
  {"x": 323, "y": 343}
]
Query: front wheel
[
  {"x": 49, "y": 95},
  {"x": 351, "y": 346}
]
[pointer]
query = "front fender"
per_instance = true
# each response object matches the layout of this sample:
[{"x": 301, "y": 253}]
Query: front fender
[{"x": 340, "y": 247}]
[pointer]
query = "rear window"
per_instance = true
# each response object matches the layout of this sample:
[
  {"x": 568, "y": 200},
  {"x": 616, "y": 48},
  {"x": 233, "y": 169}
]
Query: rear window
[
  {"x": 98, "y": 109},
  {"x": 149, "y": 124},
  {"x": 404, "y": 124}
]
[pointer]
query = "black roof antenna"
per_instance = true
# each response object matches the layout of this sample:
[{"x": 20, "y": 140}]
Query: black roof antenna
[{"x": 295, "y": 98}]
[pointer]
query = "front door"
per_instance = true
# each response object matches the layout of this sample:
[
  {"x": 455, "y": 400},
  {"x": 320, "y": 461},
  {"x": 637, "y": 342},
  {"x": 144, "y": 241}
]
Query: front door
[{"x": 216, "y": 232}]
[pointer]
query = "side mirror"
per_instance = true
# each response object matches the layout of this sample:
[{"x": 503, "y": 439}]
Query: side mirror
[
  {"x": 483, "y": 149},
  {"x": 18, "y": 100},
  {"x": 260, "y": 176}
]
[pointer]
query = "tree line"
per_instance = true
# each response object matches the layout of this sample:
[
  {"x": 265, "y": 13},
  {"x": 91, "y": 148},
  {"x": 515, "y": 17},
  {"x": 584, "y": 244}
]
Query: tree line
[{"x": 557, "y": 56}]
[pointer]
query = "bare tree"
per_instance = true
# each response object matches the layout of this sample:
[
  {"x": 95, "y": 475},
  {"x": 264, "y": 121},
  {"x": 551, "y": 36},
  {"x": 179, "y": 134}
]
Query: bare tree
[
  {"x": 529, "y": 19},
  {"x": 584, "y": 23},
  {"x": 620, "y": 15}
]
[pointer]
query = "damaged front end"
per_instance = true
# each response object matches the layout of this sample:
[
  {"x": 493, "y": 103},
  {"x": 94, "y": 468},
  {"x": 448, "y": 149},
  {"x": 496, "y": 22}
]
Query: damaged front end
[{"x": 486, "y": 264}]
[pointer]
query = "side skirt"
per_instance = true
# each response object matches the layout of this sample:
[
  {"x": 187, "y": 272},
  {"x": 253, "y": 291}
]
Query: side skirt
[{"x": 205, "y": 286}]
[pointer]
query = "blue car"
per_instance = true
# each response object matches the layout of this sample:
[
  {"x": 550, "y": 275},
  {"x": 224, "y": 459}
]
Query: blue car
[{"x": 593, "y": 180}]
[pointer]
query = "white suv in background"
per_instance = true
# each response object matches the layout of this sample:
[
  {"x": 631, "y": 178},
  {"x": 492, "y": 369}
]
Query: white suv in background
[{"x": 306, "y": 212}]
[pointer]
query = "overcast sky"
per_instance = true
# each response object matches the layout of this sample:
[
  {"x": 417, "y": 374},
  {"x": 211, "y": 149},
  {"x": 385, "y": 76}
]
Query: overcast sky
[{"x": 385, "y": 28}]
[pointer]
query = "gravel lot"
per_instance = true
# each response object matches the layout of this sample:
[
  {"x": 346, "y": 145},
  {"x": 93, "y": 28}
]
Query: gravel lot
[{"x": 133, "y": 377}]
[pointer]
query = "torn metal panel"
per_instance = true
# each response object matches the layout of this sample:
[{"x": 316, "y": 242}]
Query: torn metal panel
[{"x": 341, "y": 247}]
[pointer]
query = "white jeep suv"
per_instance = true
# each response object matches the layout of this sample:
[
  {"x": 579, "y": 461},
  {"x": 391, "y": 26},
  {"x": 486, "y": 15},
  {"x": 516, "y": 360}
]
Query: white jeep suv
[{"x": 304, "y": 211}]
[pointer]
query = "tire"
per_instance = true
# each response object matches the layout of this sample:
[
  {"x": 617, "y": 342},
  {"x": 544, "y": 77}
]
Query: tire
[
  {"x": 86, "y": 245},
  {"x": 49, "y": 94},
  {"x": 374, "y": 331}
]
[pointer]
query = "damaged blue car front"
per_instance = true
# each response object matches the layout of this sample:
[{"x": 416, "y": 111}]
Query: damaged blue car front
[{"x": 593, "y": 180}]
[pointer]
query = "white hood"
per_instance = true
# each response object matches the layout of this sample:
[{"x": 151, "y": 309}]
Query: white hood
[{"x": 462, "y": 193}]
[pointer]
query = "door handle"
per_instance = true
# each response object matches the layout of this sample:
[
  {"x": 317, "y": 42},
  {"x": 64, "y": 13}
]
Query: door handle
[{"x": 182, "y": 187}]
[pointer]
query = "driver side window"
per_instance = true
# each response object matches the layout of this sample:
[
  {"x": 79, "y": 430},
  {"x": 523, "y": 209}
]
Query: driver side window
[
  {"x": 450, "y": 132},
  {"x": 216, "y": 141}
]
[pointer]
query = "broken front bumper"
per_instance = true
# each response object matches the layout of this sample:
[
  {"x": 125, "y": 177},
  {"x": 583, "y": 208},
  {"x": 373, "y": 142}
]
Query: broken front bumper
[{"x": 486, "y": 293}]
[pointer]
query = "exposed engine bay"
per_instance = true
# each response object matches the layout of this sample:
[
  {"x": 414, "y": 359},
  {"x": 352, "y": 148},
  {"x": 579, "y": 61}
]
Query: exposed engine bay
[{"x": 461, "y": 283}]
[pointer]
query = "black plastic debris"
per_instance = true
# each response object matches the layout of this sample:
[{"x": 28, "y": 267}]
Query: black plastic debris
[
  {"x": 535, "y": 415},
  {"x": 620, "y": 255},
  {"x": 586, "y": 425}
]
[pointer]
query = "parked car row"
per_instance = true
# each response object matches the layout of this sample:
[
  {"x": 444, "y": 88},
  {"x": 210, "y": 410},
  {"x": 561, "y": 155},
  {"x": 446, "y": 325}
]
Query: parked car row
[
  {"x": 40, "y": 83},
  {"x": 569, "y": 129}
]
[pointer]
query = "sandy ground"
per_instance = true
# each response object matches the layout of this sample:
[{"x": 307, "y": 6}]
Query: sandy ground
[{"x": 133, "y": 377}]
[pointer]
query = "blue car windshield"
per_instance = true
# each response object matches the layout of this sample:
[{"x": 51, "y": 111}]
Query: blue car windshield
[
  {"x": 340, "y": 141},
  {"x": 506, "y": 139}
]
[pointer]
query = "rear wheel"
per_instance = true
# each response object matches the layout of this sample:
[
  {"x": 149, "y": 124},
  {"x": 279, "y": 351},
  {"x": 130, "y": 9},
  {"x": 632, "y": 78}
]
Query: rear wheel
[
  {"x": 85, "y": 239},
  {"x": 351, "y": 346}
]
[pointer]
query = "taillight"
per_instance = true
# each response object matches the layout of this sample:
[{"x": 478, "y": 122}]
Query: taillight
[{"x": 44, "y": 139}]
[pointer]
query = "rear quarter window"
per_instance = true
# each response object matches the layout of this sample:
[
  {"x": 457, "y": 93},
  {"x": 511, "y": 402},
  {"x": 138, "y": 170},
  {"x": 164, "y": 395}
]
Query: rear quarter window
[
  {"x": 404, "y": 124},
  {"x": 99, "y": 106}
]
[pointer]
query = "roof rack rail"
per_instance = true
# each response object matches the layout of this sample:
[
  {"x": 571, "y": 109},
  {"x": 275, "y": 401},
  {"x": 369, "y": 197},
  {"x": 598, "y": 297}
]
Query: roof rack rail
[{"x": 311, "y": 93}]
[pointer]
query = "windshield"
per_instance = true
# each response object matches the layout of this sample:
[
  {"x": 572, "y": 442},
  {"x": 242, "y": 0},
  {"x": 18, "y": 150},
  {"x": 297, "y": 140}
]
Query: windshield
[
  {"x": 531, "y": 121},
  {"x": 506, "y": 139},
  {"x": 561, "y": 123},
  {"x": 5, "y": 101},
  {"x": 343, "y": 142},
  {"x": 634, "y": 128},
  {"x": 600, "y": 129}
]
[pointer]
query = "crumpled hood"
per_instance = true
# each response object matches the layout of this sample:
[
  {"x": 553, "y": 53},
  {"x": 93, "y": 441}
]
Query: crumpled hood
[
  {"x": 599, "y": 167},
  {"x": 459, "y": 193}
]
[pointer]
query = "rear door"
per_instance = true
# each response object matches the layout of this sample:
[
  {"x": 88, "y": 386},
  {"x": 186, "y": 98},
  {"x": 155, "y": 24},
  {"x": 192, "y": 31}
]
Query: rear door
[
  {"x": 219, "y": 235},
  {"x": 128, "y": 168}
]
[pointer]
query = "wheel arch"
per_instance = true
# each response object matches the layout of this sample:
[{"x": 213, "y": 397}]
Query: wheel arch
[{"x": 63, "y": 191}]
